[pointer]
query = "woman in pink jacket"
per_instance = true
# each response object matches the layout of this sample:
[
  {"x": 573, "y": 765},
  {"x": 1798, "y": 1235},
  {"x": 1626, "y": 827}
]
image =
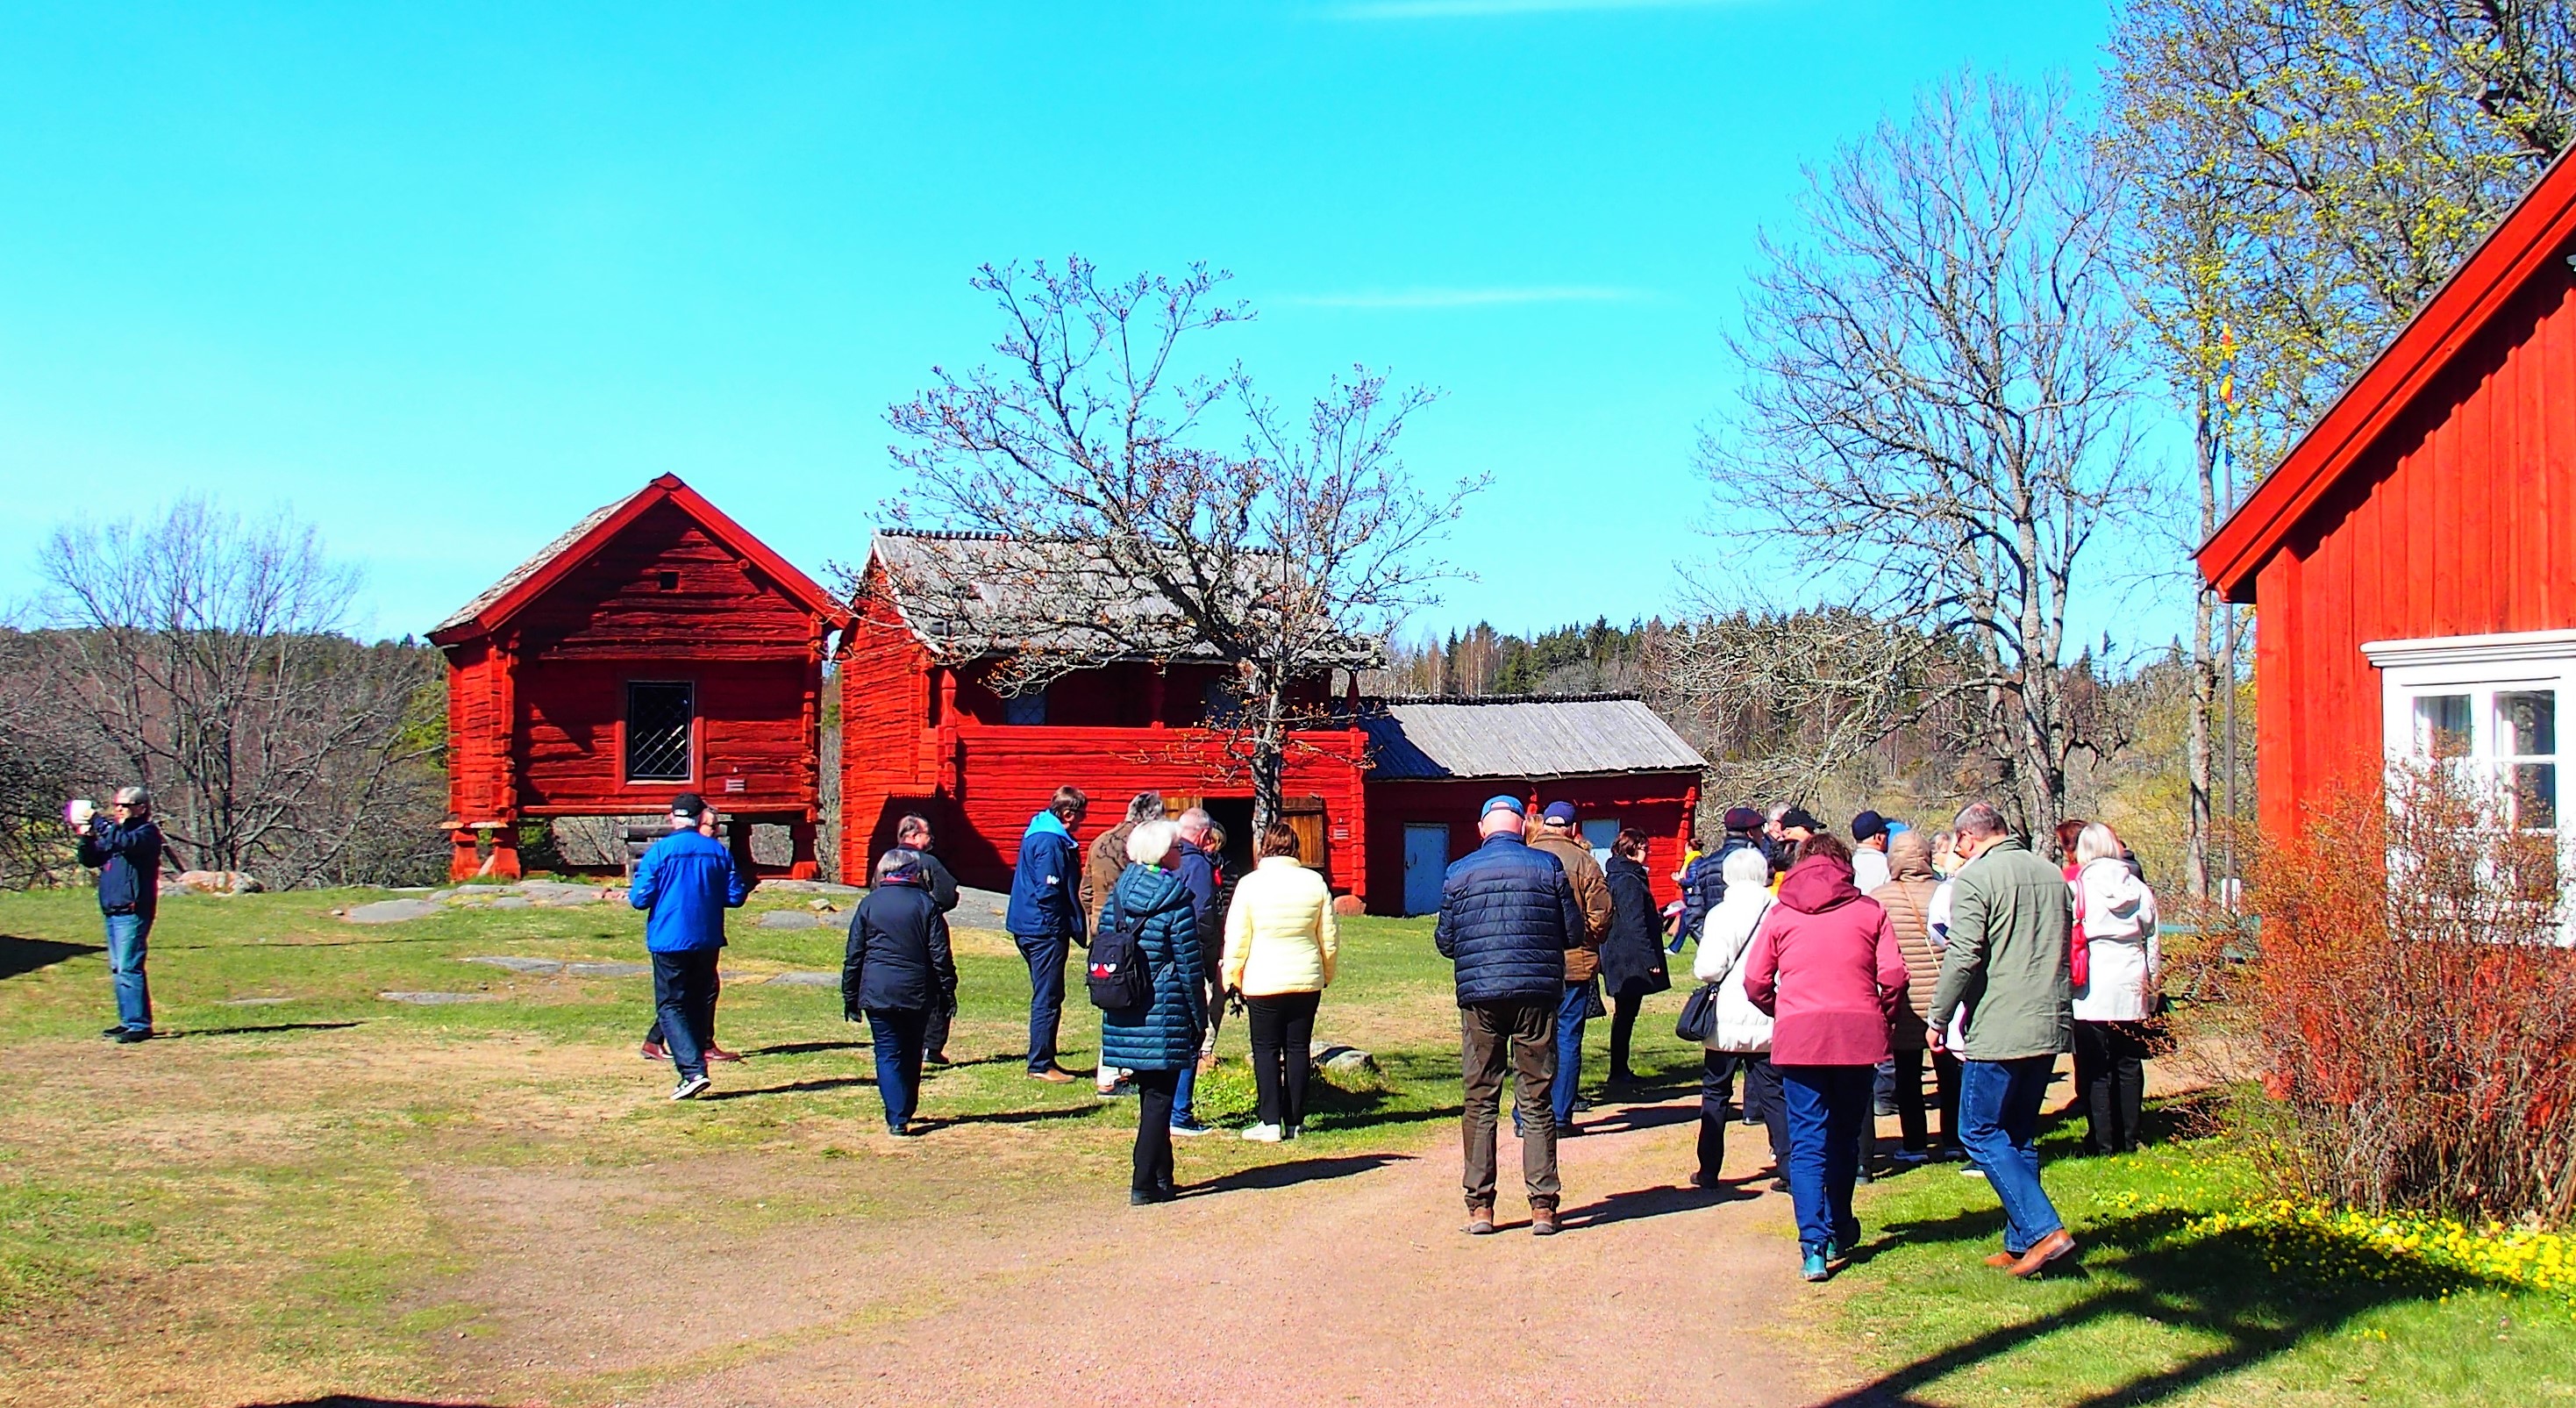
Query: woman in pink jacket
[{"x": 1827, "y": 968}]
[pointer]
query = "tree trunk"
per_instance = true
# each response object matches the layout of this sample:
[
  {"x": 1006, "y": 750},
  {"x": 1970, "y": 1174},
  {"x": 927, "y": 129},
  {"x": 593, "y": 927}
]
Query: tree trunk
[
  {"x": 2204, "y": 670},
  {"x": 1266, "y": 701}
]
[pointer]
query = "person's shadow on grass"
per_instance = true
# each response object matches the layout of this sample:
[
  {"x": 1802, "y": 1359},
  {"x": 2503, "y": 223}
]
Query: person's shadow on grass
[{"x": 22, "y": 955}]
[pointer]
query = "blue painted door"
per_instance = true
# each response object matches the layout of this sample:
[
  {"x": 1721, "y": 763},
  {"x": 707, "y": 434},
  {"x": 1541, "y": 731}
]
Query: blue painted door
[{"x": 1426, "y": 861}]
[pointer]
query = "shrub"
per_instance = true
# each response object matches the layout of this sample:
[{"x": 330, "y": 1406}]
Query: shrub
[{"x": 2413, "y": 1008}]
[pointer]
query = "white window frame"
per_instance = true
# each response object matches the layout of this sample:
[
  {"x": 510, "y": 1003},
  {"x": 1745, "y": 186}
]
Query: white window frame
[{"x": 2482, "y": 667}]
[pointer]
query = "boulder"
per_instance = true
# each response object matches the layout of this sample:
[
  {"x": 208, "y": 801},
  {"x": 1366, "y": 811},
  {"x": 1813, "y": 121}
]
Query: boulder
[
  {"x": 1346, "y": 905},
  {"x": 1341, "y": 1058},
  {"x": 820, "y": 906},
  {"x": 214, "y": 882},
  {"x": 391, "y": 911},
  {"x": 790, "y": 919}
]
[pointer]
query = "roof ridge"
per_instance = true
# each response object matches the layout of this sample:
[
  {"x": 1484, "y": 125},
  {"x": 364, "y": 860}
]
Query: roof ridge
[{"x": 1614, "y": 697}]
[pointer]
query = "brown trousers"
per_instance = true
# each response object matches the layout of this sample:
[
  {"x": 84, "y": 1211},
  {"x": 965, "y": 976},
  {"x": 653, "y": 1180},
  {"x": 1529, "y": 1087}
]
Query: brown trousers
[{"x": 1525, "y": 1032}]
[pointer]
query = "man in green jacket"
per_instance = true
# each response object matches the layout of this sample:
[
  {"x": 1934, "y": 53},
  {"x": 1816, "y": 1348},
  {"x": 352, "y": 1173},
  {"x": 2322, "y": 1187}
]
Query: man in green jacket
[{"x": 2004, "y": 973}]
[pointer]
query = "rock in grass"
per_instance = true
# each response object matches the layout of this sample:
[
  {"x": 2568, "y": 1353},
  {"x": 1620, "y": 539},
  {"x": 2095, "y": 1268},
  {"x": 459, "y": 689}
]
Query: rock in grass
[
  {"x": 519, "y": 964},
  {"x": 802, "y": 979},
  {"x": 608, "y": 970},
  {"x": 392, "y": 911},
  {"x": 513, "y": 902},
  {"x": 1342, "y": 1058},
  {"x": 791, "y": 919},
  {"x": 435, "y": 999}
]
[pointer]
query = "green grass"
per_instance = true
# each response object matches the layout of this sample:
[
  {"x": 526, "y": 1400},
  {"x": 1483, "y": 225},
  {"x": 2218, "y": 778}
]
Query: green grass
[{"x": 2170, "y": 1309}]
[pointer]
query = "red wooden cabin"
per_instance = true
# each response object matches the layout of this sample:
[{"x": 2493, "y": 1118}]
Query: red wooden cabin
[
  {"x": 2413, "y": 558},
  {"x": 1435, "y": 761},
  {"x": 653, "y": 649},
  {"x": 928, "y": 725}
]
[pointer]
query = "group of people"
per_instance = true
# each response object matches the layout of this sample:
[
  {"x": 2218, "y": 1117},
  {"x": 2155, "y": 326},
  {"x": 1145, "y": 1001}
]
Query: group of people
[
  {"x": 1830, "y": 971},
  {"x": 1966, "y": 947}
]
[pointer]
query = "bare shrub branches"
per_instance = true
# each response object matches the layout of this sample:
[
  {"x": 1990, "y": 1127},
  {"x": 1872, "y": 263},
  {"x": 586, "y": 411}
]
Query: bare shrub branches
[
  {"x": 1936, "y": 409},
  {"x": 2414, "y": 1007}
]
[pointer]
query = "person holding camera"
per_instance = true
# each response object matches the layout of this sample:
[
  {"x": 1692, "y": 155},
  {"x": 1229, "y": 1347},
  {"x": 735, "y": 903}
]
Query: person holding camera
[{"x": 124, "y": 847}]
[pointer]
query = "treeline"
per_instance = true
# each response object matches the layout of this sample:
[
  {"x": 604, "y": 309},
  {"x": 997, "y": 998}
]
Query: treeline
[{"x": 207, "y": 659}]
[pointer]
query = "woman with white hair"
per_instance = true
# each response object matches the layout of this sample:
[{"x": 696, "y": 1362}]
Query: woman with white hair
[
  {"x": 1155, "y": 1041},
  {"x": 2115, "y": 920},
  {"x": 1741, "y": 1039}
]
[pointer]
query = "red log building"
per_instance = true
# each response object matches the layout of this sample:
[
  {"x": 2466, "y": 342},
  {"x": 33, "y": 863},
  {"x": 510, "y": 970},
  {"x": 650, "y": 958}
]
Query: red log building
[
  {"x": 2410, "y": 559},
  {"x": 1382, "y": 797},
  {"x": 653, "y": 649}
]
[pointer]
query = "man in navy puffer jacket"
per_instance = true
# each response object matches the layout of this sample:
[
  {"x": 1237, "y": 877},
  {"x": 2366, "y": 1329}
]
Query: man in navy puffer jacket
[{"x": 1507, "y": 916}]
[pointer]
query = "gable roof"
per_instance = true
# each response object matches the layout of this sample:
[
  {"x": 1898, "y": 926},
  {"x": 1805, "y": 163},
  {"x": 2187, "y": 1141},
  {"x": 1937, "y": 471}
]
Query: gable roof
[
  {"x": 530, "y": 579},
  {"x": 1517, "y": 737},
  {"x": 2530, "y": 241},
  {"x": 974, "y": 595}
]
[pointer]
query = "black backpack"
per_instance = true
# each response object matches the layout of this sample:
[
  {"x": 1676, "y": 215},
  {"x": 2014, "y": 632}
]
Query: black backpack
[{"x": 1120, "y": 978}]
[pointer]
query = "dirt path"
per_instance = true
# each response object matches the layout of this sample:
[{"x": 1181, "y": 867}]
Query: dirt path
[{"x": 1350, "y": 1283}]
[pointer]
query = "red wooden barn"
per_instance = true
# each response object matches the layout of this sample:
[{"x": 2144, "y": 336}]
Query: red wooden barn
[
  {"x": 2413, "y": 558},
  {"x": 653, "y": 649},
  {"x": 1384, "y": 794}
]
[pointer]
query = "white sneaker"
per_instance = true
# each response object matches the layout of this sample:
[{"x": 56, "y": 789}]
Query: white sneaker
[
  {"x": 1972, "y": 1171},
  {"x": 1264, "y": 1134},
  {"x": 691, "y": 1088}
]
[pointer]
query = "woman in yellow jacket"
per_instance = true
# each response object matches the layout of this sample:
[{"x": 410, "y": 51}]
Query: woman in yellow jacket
[{"x": 1279, "y": 948}]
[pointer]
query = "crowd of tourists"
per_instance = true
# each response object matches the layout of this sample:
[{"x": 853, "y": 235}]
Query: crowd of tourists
[{"x": 1829, "y": 973}]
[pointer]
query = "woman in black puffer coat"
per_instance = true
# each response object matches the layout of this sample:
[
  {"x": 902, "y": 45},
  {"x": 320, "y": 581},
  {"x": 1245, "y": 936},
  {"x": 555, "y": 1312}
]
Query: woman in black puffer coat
[
  {"x": 1158, "y": 1040},
  {"x": 1632, "y": 953},
  {"x": 896, "y": 971}
]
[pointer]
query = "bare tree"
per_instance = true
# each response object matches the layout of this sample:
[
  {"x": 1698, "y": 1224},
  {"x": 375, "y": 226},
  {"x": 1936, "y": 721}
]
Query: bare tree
[
  {"x": 1935, "y": 415},
  {"x": 1211, "y": 523},
  {"x": 206, "y": 657}
]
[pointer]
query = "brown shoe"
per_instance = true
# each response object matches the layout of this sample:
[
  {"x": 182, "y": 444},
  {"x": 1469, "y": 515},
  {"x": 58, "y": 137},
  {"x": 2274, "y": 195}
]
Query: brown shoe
[
  {"x": 1480, "y": 1222},
  {"x": 1542, "y": 1220},
  {"x": 2002, "y": 1261},
  {"x": 1053, "y": 1076},
  {"x": 718, "y": 1053},
  {"x": 2047, "y": 1249}
]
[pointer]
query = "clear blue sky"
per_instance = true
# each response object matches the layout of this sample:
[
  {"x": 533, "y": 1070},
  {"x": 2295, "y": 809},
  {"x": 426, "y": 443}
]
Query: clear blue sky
[{"x": 442, "y": 278}]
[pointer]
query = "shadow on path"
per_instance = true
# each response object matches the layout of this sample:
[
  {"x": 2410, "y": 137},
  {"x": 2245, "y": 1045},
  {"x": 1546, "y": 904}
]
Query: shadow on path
[
  {"x": 351, "y": 1400},
  {"x": 791, "y": 1088},
  {"x": 1292, "y": 1172},
  {"x": 1653, "y": 1202},
  {"x": 803, "y": 1048},
  {"x": 19, "y": 955},
  {"x": 185, "y": 1033},
  {"x": 1064, "y": 1112}
]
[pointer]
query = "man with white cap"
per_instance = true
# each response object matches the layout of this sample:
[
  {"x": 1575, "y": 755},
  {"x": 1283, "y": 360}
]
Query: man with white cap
[
  {"x": 1507, "y": 916},
  {"x": 125, "y": 848}
]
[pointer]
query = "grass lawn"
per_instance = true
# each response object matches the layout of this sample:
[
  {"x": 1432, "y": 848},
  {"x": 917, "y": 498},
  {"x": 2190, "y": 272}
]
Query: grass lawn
[
  {"x": 306, "y": 1187},
  {"x": 2175, "y": 1304}
]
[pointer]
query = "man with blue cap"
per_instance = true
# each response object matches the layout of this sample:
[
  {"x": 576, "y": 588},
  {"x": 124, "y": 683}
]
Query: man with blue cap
[{"x": 1507, "y": 916}]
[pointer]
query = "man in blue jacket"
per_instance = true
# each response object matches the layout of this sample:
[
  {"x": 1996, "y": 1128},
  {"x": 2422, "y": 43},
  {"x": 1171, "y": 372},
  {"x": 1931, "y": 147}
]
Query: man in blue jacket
[
  {"x": 125, "y": 848},
  {"x": 1507, "y": 916},
  {"x": 1704, "y": 884},
  {"x": 1045, "y": 920},
  {"x": 685, "y": 883}
]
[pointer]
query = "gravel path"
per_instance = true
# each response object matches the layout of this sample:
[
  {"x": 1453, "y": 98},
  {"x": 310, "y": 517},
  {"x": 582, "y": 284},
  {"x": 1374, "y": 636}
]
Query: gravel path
[{"x": 1353, "y": 1285}]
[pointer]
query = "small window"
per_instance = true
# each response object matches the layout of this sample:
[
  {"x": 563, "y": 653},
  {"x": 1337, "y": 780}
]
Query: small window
[
  {"x": 1029, "y": 708},
  {"x": 667, "y": 581},
  {"x": 1598, "y": 835},
  {"x": 659, "y": 719}
]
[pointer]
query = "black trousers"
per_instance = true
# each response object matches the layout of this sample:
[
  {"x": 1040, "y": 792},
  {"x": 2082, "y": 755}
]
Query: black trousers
[
  {"x": 1624, "y": 1007},
  {"x": 934, "y": 1039},
  {"x": 1153, "y": 1162},
  {"x": 2111, "y": 1075},
  {"x": 1761, "y": 1093},
  {"x": 1282, "y": 1028},
  {"x": 1910, "y": 1110}
]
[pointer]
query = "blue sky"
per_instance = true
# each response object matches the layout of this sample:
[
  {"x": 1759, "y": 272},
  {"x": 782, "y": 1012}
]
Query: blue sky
[{"x": 441, "y": 279}]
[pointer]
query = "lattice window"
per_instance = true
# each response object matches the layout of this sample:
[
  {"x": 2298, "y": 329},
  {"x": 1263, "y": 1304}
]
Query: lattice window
[{"x": 658, "y": 719}]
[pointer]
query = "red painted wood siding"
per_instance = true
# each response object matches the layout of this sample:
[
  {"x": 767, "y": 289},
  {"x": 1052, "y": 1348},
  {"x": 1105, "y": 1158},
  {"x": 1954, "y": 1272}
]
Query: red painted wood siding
[
  {"x": 1658, "y": 804},
  {"x": 613, "y": 605},
  {"x": 750, "y": 727},
  {"x": 889, "y": 758},
  {"x": 2461, "y": 520}
]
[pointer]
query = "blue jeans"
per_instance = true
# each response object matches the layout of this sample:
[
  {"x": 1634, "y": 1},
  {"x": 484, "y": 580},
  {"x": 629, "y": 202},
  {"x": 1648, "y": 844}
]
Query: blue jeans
[
  {"x": 897, "y": 1034},
  {"x": 126, "y": 934},
  {"x": 1998, "y": 1125},
  {"x": 1045, "y": 954},
  {"x": 1828, "y": 1113},
  {"x": 1571, "y": 1013},
  {"x": 684, "y": 994}
]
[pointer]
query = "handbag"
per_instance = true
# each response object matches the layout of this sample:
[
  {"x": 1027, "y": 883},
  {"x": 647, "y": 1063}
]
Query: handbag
[
  {"x": 1593, "y": 1006},
  {"x": 1698, "y": 1021},
  {"x": 2079, "y": 949}
]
